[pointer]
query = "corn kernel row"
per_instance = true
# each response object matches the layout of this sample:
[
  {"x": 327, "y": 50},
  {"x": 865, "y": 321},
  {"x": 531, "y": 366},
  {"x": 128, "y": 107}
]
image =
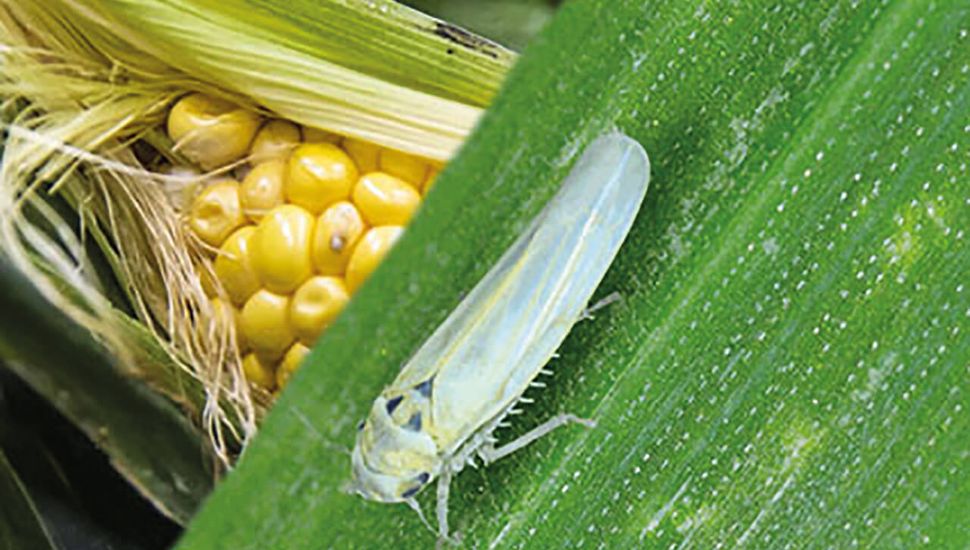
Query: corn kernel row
[{"x": 310, "y": 218}]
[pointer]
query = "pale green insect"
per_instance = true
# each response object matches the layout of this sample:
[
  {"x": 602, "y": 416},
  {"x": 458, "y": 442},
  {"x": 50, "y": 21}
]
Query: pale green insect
[{"x": 443, "y": 407}]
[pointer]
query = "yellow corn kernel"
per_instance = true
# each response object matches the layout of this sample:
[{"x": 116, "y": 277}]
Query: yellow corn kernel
[
  {"x": 369, "y": 252},
  {"x": 262, "y": 190},
  {"x": 291, "y": 362},
  {"x": 429, "y": 181},
  {"x": 315, "y": 305},
  {"x": 216, "y": 212},
  {"x": 338, "y": 230},
  {"x": 364, "y": 153},
  {"x": 234, "y": 268},
  {"x": 384, "y": 199},
  {"x": 274, "y": 140},
  {"x": 258, "y": 373},
  {"x": 265, "y": 324},
  {"x": 407, "y": 167},
  {"x": 316, "y": 135},
  {"x": 318, "y": 175},
  {"x": 242, "y": 344},
  {"x": 210, "y": 131},
  {"x": 281, "y": 248}
]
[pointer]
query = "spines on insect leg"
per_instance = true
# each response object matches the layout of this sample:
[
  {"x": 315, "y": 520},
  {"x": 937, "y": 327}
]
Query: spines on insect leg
[
  {"x": 537, "y": 384},
  {"x": 489, "y": 453}
]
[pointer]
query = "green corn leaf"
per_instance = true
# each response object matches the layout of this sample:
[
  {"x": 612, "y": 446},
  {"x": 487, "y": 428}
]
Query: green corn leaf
[{"x": 789, "y": 364}]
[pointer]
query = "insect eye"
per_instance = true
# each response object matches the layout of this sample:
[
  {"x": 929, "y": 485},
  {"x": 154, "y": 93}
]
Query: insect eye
[
  {"x": 411, "y": 492},
  {"x": 392, "y": 404},
  {"x": 360, "y": 425},
  {"x": 423, "y": 477},
  {"x": 424, "y": 388},
  {"x": 414, "y": 423}
]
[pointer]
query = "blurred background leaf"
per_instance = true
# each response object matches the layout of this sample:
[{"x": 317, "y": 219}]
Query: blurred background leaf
[
  {"x": 509, "y": 22},
  {"x": 58, "y": 490},
  {"x": 789, "y": 365},
  {"x": 20, "y": 524},
  {"x": 150, "y": 440}
]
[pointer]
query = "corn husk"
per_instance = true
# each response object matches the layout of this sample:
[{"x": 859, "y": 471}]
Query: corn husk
[{"x": 85, "y": 82}]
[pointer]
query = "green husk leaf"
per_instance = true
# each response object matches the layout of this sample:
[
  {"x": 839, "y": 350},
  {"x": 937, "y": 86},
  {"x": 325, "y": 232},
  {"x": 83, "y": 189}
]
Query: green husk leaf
[
  {"x": 380, "y": 38},
  {"x": 788, "y": 366},
  {"x": 372, "y": 70}
]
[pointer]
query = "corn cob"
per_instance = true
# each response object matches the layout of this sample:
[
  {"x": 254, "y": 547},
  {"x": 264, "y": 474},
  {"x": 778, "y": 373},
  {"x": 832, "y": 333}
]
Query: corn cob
[
  {"x": 188, "y": 197},
  {"x": 311, "y": 218}
]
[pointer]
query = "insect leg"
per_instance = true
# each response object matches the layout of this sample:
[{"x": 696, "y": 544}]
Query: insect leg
[
  {"x": 444, "y": 481},
  {"x": 489, "y": 453}
]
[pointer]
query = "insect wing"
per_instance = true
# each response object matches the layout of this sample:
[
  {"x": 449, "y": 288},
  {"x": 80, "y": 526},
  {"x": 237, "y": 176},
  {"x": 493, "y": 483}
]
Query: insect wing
[{"x": 484, "y": 355}]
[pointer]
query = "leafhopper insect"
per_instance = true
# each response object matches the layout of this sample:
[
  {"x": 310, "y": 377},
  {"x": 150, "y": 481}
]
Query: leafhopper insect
[{"x": 441, "y": 411}]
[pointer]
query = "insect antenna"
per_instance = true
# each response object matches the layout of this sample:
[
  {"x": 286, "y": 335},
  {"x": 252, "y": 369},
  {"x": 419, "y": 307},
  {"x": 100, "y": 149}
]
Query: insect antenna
[
  {"x": 413, "y": 504},
  {"x": 320, "y": 437}
]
